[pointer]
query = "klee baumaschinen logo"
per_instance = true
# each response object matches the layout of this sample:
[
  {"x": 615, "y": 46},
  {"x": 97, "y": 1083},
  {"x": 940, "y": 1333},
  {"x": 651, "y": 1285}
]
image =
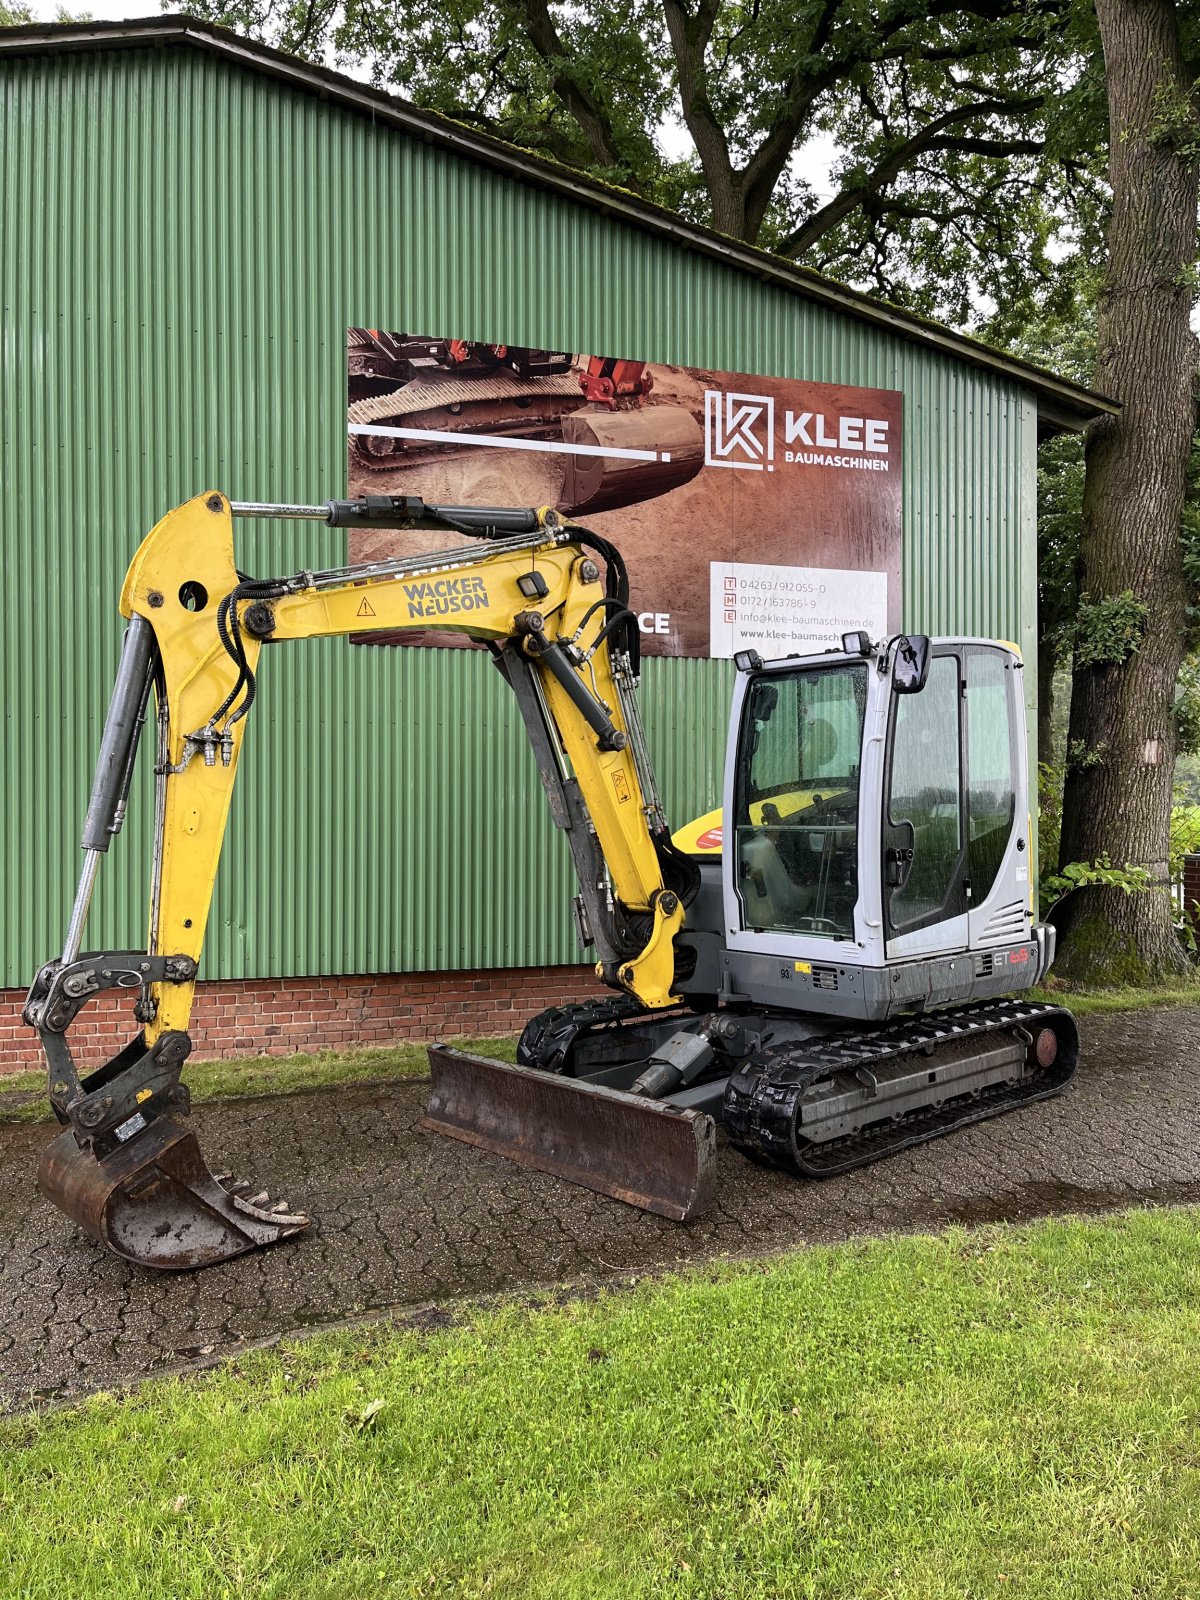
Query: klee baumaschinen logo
[{"x": 739, "y": 431}]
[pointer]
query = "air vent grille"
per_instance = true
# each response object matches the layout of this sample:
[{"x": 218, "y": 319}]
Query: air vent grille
[
  {"x": 1007, "y": 922},
  {"x": 825, "y": 977}
]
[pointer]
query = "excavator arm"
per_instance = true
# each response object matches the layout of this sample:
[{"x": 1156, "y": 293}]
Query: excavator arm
[{"x": 550, "y": 602}]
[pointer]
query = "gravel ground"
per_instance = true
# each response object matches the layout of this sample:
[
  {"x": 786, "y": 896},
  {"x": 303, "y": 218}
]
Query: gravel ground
[{"x": 407, "y": 1219}]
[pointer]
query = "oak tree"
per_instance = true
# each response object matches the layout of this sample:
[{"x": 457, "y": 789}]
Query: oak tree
[{"x": 1133, "y": 621}]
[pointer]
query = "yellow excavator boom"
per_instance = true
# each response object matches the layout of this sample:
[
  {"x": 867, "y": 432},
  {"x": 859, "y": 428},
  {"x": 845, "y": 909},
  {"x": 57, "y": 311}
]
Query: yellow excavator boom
[
  {"x": 548, "y": 598},
  {"x": 475, "y": 592}
]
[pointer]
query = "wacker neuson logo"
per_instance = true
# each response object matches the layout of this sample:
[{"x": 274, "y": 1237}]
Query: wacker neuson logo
[
  {"x": 445, "y": 597},
  {"x": 739, "y": 431}
]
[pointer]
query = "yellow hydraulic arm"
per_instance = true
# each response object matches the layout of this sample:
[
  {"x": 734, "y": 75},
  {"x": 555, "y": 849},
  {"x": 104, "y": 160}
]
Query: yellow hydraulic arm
[{"x": 548, "y": 599}]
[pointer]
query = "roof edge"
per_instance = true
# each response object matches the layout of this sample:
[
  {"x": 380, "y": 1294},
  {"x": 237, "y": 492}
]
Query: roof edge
[{"x": 1063, "y": 406}]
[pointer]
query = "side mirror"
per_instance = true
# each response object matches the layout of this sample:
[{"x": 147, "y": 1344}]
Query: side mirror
[{"x": 910, "y": 664}]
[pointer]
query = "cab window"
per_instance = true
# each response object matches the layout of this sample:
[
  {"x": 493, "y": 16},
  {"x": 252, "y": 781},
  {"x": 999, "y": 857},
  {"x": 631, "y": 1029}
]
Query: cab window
[
  {"x": 991, "y": 794},
  {"x": 797, "y": 800},
  {"x": 923, "y": 832}
]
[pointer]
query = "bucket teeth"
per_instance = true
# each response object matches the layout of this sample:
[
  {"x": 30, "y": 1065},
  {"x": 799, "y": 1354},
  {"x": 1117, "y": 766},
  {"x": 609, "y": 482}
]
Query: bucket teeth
[
  {"x": 154, "y": 1201},
  {"x": 276, "y": 1212}
]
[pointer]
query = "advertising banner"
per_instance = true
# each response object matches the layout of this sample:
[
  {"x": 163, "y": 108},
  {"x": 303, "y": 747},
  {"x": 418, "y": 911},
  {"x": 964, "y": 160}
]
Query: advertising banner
[{"x": 752, "y": 512}]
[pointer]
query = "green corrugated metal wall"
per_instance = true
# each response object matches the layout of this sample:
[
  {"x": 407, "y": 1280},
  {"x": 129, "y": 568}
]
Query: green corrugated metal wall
[{"x": 184, "y": 244}]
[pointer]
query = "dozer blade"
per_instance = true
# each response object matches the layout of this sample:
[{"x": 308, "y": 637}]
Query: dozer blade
[
  {"x": 641, "y": 1151},
  {"x": 154, "y": 1201}
]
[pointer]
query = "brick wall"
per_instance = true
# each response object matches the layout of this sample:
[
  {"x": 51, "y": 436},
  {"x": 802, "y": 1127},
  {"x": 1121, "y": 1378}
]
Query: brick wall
[
  {"x": 276, "y": 1016},
  {"x": 1191, "y": 890}
]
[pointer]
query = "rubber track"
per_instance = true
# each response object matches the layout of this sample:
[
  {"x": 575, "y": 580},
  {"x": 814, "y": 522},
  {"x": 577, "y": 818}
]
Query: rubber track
[
  {"x": 761, "y": 1100},
  {"x": 418, "y": 403},
  {"x": 548, "y": 1038},
  {"x": 435, "y": 394}
]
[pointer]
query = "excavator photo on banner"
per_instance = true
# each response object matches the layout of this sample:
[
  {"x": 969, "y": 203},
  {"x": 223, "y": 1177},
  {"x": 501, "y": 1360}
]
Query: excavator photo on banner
[
  {"x": 830, "y": 968},
  {"x": 415, "y": 400}
]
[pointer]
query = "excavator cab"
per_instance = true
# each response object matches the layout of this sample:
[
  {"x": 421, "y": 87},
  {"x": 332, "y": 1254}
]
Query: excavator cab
[{"x": 879, "y": 817}]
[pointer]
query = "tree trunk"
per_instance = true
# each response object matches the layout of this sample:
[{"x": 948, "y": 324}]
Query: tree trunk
[
  {"x": 1121, "y": 749},
  {"x": 690, "y": 32}
]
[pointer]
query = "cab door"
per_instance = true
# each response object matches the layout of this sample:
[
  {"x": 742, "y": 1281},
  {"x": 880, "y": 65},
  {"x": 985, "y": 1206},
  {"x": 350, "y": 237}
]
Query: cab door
[
  {"x": 998, "y": 851},
  {"x": 926, "y": 893}
]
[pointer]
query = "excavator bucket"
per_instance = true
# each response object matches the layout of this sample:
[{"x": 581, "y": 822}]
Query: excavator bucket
[
  {"x": 650, "y": 1155},
  {"x": 634, "y": 456},
  {"x": 154, "y": 1201}
]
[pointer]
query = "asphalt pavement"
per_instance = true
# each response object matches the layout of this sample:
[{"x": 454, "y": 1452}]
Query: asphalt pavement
[{"x": 407, "y": 1219}]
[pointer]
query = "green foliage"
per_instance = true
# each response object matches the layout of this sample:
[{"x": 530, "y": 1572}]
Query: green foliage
[
  {"x": 1189, "y": 540},
  {"x": 1060, "y": 511},
  {"x": 1109, "y": 628},
  {"x": 950, "y": 236},
  {"x": 1187, "y": 707},
  {"x": 1084, "y": 755},
  {"x": 1185, "y": 841},
  {"x": 1187, "y": 780},
  {"x": 1055, "y": 886},
  {"x": 13, "y": 16},
  {"x": 996, "y": 1412},
  {"x": 1175, "y": 126},
  {"x": 1050, "y": 779},
  {"x": 1185, "y": 835},
  {"x": 1056, "y": 882}
]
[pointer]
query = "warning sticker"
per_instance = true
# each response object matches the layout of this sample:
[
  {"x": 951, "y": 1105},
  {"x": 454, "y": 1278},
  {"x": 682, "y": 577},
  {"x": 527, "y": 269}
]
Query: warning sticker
[
  {"x": 366, "y": 609},
  {"x": 621, "y": 785}
]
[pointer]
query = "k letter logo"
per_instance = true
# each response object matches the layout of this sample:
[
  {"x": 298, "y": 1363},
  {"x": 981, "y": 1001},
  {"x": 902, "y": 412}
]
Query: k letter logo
[{"x": 739, "y": 431}]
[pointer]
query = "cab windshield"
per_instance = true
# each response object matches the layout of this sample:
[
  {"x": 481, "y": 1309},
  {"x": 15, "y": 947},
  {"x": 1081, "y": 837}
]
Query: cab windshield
[{"x": 797, "y": 800}]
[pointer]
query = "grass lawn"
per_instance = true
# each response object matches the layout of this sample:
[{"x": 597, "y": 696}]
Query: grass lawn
[
  {"x": 1094, "y": 1002},
  {"x": 23, "y": 1098},
  {"x": 1008, "y": 1412}
]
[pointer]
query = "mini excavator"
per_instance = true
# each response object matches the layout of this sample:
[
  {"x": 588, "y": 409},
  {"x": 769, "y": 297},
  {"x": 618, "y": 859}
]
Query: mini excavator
[{"x": 831, "y": 968}]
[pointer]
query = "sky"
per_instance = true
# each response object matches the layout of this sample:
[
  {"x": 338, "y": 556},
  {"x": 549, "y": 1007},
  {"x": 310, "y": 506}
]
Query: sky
[{"x": 99, "y": 10}]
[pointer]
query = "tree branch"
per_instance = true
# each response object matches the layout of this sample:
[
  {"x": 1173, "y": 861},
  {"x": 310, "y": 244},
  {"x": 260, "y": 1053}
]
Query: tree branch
[
  {"x": 689, "y": 37},
  {"x": 762, "y": 172},
  {"x": 931, "y": 137},
  {"x": 586, "y": 108}
]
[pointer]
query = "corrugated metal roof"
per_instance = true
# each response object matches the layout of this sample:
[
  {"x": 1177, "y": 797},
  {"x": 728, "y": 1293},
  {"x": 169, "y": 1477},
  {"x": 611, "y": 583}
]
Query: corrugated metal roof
[{"x": 1062, "y": 405}]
